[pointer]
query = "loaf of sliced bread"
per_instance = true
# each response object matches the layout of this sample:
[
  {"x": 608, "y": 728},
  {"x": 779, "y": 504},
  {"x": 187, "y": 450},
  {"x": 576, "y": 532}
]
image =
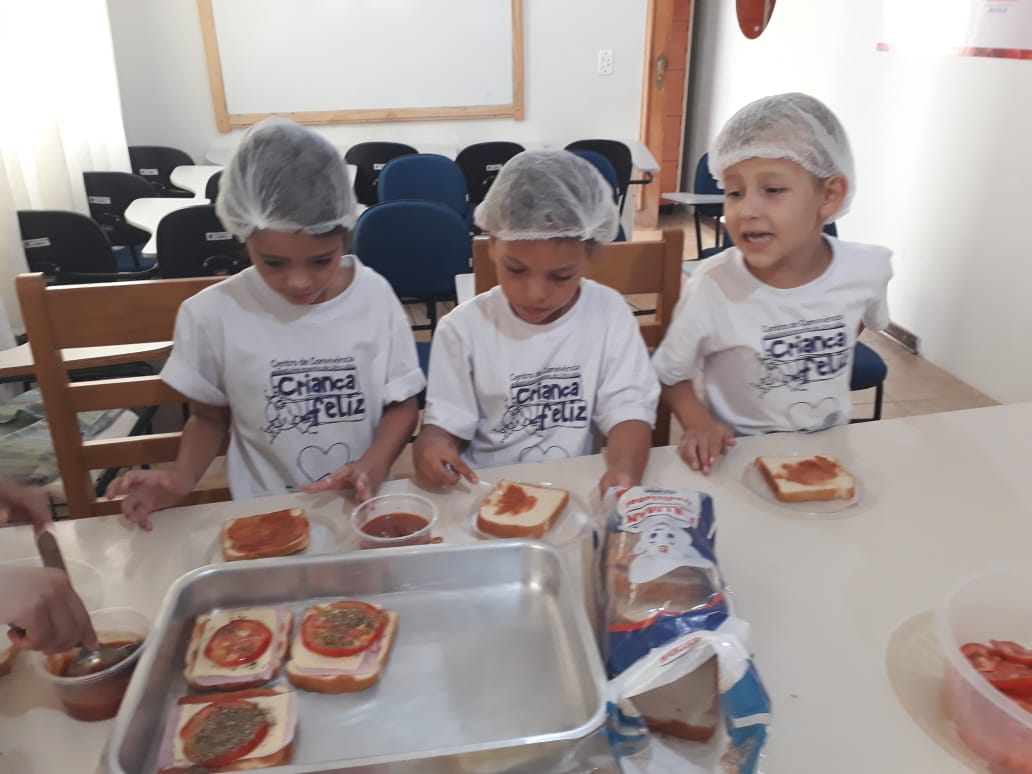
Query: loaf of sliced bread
[
  {"x": 802, "y": 479},
  {"x": 521, "y": 510}
]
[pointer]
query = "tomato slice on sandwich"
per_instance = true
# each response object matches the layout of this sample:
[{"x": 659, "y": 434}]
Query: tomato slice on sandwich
[
  {"x": 239, "y": 642},
  {"x": 223, "y": 732},
  {"x": 343, "y": 628}
]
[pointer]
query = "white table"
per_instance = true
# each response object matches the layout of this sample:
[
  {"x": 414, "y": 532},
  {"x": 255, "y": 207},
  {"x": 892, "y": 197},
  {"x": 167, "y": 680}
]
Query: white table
[
  {"x": 693, "y": 198},
  {"x": 194, "y": 177},
  {"x": 147, "y": 212},
  {"x": 837, "y": 605}
]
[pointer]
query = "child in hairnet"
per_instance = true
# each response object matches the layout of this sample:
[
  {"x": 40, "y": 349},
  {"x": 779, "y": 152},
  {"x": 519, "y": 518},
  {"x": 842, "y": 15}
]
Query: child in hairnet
[
  {"x": 770, "y": 323},
  {"x": 545, "y": 364},
  {"x": 305, "y": 360}
]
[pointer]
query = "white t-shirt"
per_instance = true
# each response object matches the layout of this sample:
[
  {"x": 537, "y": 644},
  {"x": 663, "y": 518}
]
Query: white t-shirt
[
  {"x": 776, "y": 359},
  {"x": 306, "y": 385},
  {"x": 525, "y": 393}
]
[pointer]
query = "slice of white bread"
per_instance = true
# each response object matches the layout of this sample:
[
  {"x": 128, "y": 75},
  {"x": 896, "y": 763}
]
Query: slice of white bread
[
  {"x": 521, "y": 510},
  {"x": 688, "y": 708},
  {"x": 204, "y": 675},
  {"x": 276, "y": 749},
  {"x": 7, "y": 659},
  {"x": 277, "y": 533},
  {"x": 323, "y": 674},
  {"x": 802, "y": 479}
]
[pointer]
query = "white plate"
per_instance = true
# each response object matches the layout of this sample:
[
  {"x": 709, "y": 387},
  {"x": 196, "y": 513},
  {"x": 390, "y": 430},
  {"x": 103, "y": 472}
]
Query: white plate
[
  {"x": 573, "y": 523},
  {"x": 85, "y": 579},
  {"x": 753, "y": 480},
  {"x": 203, "y": 545}
]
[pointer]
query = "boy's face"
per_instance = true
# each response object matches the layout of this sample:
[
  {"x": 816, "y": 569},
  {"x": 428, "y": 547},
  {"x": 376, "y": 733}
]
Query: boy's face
[
  {"x": 302, "y": 268},
  {"x": 775, "y": 211},
  {"x": 540, "y": 277}
]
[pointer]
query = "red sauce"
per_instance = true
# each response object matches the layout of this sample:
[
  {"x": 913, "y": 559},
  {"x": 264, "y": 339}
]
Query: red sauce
[
  {"x": 96, "y": 699},
  {"x": 252, "y": 534},
  {"x": 394, "y": 526},
  {"x": 514, "y": 500},
  {"x": 808, "y": 472}
]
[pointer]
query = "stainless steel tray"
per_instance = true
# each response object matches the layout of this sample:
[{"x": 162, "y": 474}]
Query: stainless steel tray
[{"x": 493, "y": 651}]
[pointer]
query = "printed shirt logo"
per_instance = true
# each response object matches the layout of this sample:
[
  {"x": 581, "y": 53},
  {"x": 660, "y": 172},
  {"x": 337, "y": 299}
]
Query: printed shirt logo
[
  {"x": 308, "y": 393},
  {"x": 542, "y": 400},
  {"x": 800, "y": 353}
]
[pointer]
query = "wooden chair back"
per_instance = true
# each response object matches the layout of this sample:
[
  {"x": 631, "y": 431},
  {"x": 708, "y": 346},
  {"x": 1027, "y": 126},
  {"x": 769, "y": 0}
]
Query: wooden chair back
[
  {"x": 98, "y": 315},
  {"x": 632, "y": 268}
]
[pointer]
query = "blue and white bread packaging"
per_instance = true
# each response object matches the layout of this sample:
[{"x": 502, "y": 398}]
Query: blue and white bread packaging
[{"x": 684, "y": 694}]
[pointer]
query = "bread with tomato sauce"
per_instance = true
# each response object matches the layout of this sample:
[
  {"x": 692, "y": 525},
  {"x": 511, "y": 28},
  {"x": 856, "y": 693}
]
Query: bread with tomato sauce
[
  {"x": 278, "y": 533},
  {"x": 804, "y": 479},
  {"x": 521, "y": 510},
  {"x": 341, "y": 647},
  {"x": 199, "y": 736},
  {"x": 238, "y": 648}
]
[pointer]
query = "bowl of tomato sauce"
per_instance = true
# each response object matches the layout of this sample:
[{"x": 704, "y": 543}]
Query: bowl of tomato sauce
[
  {"x": 394, "y": 520},
  {"x": 97, "y": 696},
  {"x": 985, "y": 628}
]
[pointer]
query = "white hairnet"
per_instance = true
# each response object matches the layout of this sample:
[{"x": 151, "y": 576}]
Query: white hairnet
[
  {"x": 549, "y": 194},
  {"x": 794, "y": 126},
  {"x": 284, "y": 177}
]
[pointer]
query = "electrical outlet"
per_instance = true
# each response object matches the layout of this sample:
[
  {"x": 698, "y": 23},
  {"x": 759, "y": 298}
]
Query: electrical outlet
[{"x": 605, "y": 61}]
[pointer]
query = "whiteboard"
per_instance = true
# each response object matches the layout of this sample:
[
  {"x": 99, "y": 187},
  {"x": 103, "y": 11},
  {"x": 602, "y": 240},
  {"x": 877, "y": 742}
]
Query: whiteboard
[{"x": 323, "y": 61}]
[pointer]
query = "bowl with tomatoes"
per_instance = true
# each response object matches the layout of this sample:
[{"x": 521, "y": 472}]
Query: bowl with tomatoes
[{"x": 986, "y": 635}]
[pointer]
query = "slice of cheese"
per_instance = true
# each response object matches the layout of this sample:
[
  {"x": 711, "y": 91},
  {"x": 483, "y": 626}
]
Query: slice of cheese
[
  {"x": 304, "y": 658},
  {"x": 282, "y": 712},
  {"x": 205, "y": 667}
]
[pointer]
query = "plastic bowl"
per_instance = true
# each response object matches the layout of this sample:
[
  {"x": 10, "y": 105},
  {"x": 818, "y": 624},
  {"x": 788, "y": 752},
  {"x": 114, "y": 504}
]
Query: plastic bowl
[
  {"x": 992, "y": 606},
  {"x": 394, "y": 520},
  {"x": 97, "y": 696}
]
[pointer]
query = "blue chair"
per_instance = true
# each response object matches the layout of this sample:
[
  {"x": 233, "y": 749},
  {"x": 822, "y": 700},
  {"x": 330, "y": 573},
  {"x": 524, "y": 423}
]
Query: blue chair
[
  {"x": 419, "y": 247},
  {"x": 706, "y": 184},
  {"x": 869, "y": 370},
  {"x": 619, "y": 155},
  {"x": 603, "y": 165},
  {"x": 423, "y": 354},
  {"x": 369, "y": 159},
  {"x": 425, "y": 176}
]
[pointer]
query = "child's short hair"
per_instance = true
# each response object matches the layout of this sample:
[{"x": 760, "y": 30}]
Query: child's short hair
[
  {"x": 792, "y": 126},
  {"x": 285, "y": 177},
  {"x": 549, "y": 194}
]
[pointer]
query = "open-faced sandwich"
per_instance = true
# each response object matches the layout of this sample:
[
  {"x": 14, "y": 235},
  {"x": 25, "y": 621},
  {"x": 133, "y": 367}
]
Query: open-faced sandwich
[
  {"x": 521, "y": 510},
  {"x": 278, "y": 533},
  {"x": 235, "y": 731},
  {"x": 802, "y": 479},
  {"x": 234, "y": 649},
  {"x": 341, "y": 646}
]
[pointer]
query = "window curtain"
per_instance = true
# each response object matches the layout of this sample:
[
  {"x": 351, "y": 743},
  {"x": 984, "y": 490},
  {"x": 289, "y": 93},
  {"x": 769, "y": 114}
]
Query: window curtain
[{"x": 60, "y": 115}]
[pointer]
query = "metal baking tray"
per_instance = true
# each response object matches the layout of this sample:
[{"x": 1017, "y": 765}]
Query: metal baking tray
[{"x": 493, "y": 651}]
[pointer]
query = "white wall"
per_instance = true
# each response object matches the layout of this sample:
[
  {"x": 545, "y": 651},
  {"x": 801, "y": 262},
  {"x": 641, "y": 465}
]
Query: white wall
[
  {"x": 941, "y": 145},
  {"x": 166, "y": 99}
]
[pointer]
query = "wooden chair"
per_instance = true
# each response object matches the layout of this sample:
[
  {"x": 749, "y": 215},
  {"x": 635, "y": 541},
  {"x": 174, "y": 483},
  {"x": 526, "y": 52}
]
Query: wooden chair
[
  {"x": 632, "y": 268},
  {"x": 103, "y": 314}
]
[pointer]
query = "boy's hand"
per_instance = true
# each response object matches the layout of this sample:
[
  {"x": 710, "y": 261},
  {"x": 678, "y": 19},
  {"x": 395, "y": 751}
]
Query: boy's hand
[
  {"x": 616, "y": 478},
  {"x": 147, "y": 491},
  {"x": 440, "y": 463},
  {"x": 702, "y": 445},
  {"x": 47, "y": 612},
  {"x": 362, "y": 476}
]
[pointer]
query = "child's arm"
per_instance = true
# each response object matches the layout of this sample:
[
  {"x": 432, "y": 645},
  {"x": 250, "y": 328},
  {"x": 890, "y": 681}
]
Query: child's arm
[
  {"x": 627, "y": 454},
  {"x": 147, "y": 491},
  {"x": 438, "y": 460},
  {"x": 367, "y": 473},
  {"x": 704, "y": 438}
]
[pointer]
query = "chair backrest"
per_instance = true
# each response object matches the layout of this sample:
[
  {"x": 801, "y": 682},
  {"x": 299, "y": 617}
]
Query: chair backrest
[
  {"x": 705, "y": 183},
  {"x": 419, "y": 246},
  {"x": 192, "y": 242},
  {"x": 424, "y": 176},
  {"x": 154, "y": 163},
  {"x": 370, "y": 158},
  {"x": 108, "y": 194},
  {"x": 64, "y": 245},
  {"x": 618, "y": 154},
  {"x": 102, "y": 314},
  {"x": 480, "y": 164},
  {"x": 632, "y": 268},
  {"x": 211, "y": 189},
  {"x": 601, "y": 163}
]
